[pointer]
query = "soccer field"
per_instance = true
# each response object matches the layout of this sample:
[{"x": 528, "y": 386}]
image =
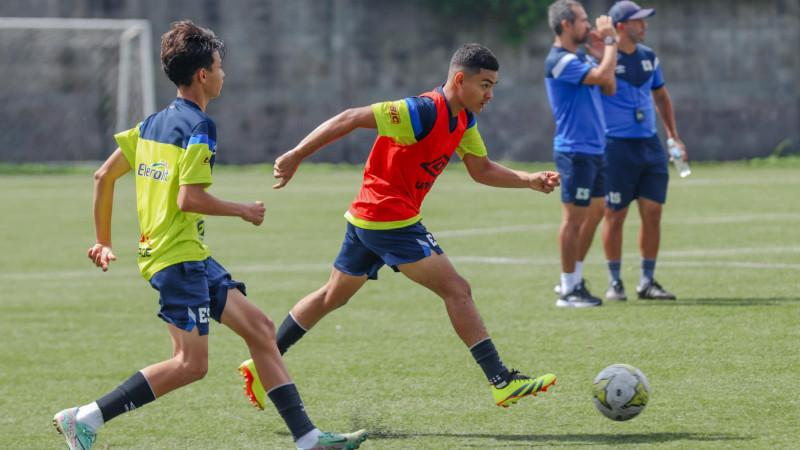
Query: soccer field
[{"x": 722, "y": 361}]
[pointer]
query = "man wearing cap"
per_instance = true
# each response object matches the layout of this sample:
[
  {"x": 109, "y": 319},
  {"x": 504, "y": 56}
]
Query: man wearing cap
[
  {"x": 574, "y": 83},
  {"x": 637, "y": 163}
]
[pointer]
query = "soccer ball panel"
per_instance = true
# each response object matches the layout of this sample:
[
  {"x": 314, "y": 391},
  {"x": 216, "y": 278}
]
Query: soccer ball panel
[{"x": 620, "y": 392}]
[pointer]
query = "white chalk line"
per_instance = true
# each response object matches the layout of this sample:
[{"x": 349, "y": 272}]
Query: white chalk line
[{"x": 115, "y": 271}]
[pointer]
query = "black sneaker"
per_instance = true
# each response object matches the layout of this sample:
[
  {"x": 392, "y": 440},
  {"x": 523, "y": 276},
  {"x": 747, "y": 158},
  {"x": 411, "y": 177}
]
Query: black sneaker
[
  {"x": 616, "y": 291},
  {"x": 578, "y": 298},
  {"x": 653, "y": 291}
]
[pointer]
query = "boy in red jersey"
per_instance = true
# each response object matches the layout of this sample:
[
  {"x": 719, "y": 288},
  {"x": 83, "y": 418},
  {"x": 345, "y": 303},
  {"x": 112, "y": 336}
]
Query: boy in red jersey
[{"x": 417, "y": 137}]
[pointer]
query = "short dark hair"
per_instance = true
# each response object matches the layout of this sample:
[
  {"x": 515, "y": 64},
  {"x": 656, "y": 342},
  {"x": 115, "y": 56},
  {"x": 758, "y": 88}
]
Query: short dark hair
[
  {"x": 471, "y": 58},
  {"x": 559, "y": 11},
  {"x": 185, "y": 49}
]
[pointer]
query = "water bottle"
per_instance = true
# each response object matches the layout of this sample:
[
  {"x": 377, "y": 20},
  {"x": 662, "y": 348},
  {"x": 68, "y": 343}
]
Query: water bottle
[{"x": 680, "y": 165}]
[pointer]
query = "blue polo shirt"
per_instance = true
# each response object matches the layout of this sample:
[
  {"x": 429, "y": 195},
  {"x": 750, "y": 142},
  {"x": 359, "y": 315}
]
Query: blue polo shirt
[
  {"x": 577, "y": 107},
  {"x": 637, "y": 74}
]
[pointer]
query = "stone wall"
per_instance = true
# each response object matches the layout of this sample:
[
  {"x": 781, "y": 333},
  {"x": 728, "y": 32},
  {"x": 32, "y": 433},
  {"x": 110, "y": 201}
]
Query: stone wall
[{"x": 731, "y": 67}]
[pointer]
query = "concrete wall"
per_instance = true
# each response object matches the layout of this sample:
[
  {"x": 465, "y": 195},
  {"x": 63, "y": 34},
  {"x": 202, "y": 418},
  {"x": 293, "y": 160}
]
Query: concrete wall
[{"x": 731, "y": 67}]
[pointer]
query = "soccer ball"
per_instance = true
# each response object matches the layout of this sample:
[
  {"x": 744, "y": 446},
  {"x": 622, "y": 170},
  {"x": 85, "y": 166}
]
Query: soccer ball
[{"x": 620, "y": 392}]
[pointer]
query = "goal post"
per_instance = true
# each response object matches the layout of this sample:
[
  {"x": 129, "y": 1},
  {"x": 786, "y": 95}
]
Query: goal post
[{"x": 67, "y": 85}]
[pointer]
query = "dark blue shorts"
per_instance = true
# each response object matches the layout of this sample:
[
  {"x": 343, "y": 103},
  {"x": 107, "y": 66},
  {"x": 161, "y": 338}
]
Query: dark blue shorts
[
  {"x": 192, "y": 292},
  {"x": 365, "y": 251},
  {"x": 636, "y": 168},
  {"x": 583, "y": 177}
]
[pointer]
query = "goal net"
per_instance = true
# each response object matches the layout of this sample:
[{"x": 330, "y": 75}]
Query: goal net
[{"x": 67, "y": 85}]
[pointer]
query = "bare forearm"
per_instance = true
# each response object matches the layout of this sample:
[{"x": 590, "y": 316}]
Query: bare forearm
[
  {"x": 496, "y": 175},
  {"x": 663, "y": 104},
  {"x": 201, "y": 202},
  {"x": 332, "y": 129},
  {"x": 102, "y": 206}
]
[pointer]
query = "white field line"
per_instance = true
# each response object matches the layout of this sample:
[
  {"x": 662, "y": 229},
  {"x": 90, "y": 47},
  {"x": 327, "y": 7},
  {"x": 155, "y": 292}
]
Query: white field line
[
  {"x": 127, "y": 272},
  {"x": 631, "y": 222},
  {"x": 661, "y": 263},
  {"x": 116, "y": 272}
]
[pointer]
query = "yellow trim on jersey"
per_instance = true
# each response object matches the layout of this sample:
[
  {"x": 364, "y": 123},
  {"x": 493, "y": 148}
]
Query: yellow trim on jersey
[
  {"x": 471, "y": 143},
  {"x": 394, "y": 121},
  {"x": 368, "y": 225}
]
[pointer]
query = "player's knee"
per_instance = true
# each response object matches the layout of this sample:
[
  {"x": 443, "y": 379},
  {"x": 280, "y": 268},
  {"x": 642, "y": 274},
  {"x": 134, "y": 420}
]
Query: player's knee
[
  {"x": 459, "y": 290},
  {"x": 265, "y": 328},
  {"x": 260, "y": 330},
  {"x": 194, "y": 370},
  {"x": 332, "y": 299}
]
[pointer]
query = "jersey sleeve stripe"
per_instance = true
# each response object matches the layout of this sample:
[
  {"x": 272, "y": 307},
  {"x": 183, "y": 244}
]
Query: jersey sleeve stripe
[
  {"x": 413, "y": 114},
  {"x": 562, "y": 64},
  {"x": 198, "y": 139}
]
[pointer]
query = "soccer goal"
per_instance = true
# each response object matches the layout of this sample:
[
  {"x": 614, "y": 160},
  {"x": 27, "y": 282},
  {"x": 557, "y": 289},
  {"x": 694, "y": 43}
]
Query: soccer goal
[{"x": 67, "y": 85}]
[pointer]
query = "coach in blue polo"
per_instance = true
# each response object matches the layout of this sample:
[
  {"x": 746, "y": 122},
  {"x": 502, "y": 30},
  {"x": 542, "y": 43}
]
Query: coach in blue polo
[{"x": 637, "y": 162}]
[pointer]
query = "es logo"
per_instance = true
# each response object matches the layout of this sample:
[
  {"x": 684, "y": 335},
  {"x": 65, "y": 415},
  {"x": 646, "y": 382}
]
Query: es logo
[
  {"x": 583, "y": 194},
  {"x": 202, "y": 315}
]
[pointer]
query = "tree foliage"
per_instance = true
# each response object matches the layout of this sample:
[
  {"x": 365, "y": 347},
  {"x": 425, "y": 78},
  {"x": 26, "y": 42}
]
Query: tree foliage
[{"x": 518, "y": 17}]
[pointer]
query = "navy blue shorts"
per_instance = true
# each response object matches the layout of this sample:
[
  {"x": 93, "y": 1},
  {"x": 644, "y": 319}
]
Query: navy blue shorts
[
  {"x": 191, "y": 292},
  {"x": 365, "y": 251},
  {"x": 583, "y": 177},
  {"x": 636, "y": 168}
]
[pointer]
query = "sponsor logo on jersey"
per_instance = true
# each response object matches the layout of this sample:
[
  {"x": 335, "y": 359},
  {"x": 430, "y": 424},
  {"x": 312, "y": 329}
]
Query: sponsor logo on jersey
[
  {"x": 436, "y": 166},
  {"x": 144, "y": 245},
  {"x": 158, "y": 171},
  {"x": 394, "y": 114}
]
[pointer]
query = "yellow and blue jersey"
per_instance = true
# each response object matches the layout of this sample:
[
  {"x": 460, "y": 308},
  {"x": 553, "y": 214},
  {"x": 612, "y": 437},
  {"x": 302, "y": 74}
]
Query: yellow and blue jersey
[
  {"x": 637, "y": 75},
  {"x": 171, "y": 148}
]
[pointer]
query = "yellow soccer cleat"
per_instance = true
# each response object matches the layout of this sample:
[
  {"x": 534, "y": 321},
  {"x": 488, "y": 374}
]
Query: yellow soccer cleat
[
  {"x": 518, "y": 386},
  {"x": 252, "y": 385}
]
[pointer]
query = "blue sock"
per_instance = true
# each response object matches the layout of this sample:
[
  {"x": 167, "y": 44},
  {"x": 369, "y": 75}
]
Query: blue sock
[
  {"x": 648, "y": 271},
  {"x": 289, "y": 332},
  {"x": 131, "y": 394},
  {"x": 487, "y": 357},
  {"x": 614, "y": 270},
  {"x": 287, "y": 401}
]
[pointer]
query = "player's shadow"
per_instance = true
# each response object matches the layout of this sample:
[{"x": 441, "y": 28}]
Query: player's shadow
[
  {"x": 708, "y": 301},
  {"x": 526, "y": 440}
]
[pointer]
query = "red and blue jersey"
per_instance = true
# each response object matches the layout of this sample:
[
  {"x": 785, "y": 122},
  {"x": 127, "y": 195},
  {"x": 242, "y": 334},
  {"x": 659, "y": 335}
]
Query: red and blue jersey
[{"x": 416, "y": 140}]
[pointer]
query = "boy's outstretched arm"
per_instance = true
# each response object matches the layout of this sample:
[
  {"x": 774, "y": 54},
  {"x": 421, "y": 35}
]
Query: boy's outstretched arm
[
  {"x": 490, "y": 173},
  {"x": 330, "y": 130},
  {"x": 104, "y": 180},
  {"x": 194, "y": 198}
]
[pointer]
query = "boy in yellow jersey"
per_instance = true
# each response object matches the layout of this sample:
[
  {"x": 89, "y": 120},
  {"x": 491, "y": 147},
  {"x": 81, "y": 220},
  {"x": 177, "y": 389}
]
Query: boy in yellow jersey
[
  {"x": 172, "y": 153},
  {"x": 416, "y": 139}
]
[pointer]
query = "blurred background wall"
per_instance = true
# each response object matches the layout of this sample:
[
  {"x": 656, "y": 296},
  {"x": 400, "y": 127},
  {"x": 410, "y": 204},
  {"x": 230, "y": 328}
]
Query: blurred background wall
[{"x": 731, "y": 67}]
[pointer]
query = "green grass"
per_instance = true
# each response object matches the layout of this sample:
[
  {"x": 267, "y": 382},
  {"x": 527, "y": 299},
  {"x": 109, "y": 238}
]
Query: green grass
[{"x": 722, "y": 361}]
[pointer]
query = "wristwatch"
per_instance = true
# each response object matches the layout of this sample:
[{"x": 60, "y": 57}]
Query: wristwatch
[{"x": 610, "y": 40}]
